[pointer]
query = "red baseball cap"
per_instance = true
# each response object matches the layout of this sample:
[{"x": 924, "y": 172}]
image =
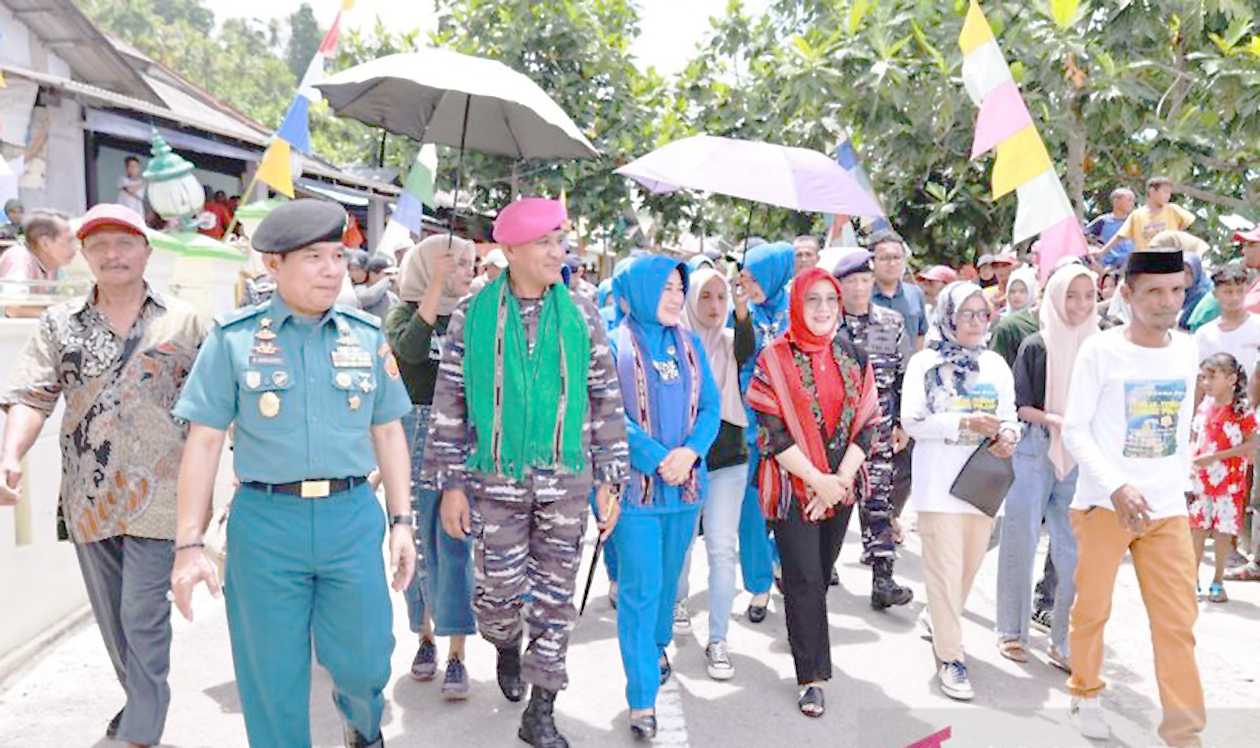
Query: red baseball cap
[
  {"x": 111, "y": 215},
  {"x": 939, "y": 273},
  {"x": 1248, "y": 236}
]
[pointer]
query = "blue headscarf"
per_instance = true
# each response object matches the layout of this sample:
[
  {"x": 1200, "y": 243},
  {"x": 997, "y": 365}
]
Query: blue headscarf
[
  {"x": 1195, "y": 292},
  {"x": 665, "y": 366},
  {"x": 601, "y": 292},
  {"x": 772, "y": 266}
]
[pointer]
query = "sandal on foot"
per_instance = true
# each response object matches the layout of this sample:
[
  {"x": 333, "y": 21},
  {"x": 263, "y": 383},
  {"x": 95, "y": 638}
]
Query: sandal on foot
[
  {"x": 811, "y": 702},
  {"x": 1216, "y": 593},
  {"x": 1013, "y": 650}
]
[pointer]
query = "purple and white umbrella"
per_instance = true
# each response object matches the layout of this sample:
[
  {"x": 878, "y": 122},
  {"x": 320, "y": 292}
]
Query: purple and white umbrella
[{"x": 794, "y": 178}]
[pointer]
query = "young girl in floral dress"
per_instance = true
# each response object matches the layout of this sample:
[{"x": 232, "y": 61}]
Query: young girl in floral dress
[{"x": 1225, "y": 430}]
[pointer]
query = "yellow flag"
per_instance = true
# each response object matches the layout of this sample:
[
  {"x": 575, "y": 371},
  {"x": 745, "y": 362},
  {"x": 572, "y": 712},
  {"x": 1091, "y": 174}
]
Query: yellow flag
[
  {"x": 275, "y": 169},
  {"x": 975, "y": 31},
  {"x": 347, "y": 4},
  {"x": 1020, "y": 158}
]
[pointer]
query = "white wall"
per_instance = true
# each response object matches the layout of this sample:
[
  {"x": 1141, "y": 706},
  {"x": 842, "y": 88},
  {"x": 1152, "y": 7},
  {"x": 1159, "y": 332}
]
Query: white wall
[
  {"x": 39, "y": 580},
  {"x": 109, "y": 167}
]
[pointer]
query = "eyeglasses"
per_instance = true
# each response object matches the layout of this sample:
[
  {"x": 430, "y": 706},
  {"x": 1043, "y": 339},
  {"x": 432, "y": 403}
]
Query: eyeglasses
[
  {"x": 813, "y": 303},
  {"x": 967, "y": 316}
]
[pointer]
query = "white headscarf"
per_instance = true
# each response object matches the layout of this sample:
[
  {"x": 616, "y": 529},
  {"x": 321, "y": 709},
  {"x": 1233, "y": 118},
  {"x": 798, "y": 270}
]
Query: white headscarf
[
  {"x": 719, "y": 346},
  {"x": 1027, "y": 275},
  {"x": 417, "y": 270},
  {"x": 1063, "y": 342}
]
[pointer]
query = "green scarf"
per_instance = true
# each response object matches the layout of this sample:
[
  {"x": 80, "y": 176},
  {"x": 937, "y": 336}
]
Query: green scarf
[{"x": 516, "y": 396}]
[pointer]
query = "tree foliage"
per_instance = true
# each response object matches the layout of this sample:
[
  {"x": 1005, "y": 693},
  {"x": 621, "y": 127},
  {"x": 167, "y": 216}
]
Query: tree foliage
[
  {"x": 304, "y": 38},
  {"x": 1120, "y": 90}
]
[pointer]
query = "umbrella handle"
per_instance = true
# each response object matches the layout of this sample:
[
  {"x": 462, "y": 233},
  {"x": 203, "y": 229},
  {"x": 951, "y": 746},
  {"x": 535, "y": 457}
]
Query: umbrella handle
[
  {"x": 748, "y": 225},
  {"x": 459, "y": 171}
]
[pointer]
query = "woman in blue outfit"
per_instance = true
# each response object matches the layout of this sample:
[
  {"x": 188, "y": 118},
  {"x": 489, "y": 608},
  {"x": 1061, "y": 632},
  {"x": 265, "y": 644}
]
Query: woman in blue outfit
[
  {"x": 672, "y": 418},
  {"x": 765, "y": 277}
]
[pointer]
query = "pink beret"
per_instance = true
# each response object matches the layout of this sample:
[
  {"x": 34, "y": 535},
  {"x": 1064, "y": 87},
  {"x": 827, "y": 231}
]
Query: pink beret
[{"x": 528, "y": 219}]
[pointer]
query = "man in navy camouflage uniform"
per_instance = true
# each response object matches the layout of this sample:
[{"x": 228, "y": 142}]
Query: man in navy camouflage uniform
[
  {"x": 882, "y": 334},
  {"x": 526, "y": 506}
]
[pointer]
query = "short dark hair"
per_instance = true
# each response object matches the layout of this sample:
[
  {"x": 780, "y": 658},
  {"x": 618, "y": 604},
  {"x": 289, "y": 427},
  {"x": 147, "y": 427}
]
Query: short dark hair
[
  {"x": 129, "y": 159},
  {"x": 884, "y": 236},
  {"x": 1158, "y": 181},
  {"x": 1230, "y": 273},
  {"x": 43, "y": 223}
]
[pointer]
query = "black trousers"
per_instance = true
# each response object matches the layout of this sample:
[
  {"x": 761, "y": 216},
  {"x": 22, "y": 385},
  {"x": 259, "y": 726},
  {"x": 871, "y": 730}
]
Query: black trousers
[{"x": 807, "y": 553}]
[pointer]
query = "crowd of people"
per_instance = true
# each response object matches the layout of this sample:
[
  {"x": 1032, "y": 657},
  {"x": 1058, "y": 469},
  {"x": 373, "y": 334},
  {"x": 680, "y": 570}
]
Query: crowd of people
[{"x": 754, "y": 401}]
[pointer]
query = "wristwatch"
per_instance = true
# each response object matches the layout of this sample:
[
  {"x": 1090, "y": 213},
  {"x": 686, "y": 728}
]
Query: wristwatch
[{"x": 400, "y": 519}]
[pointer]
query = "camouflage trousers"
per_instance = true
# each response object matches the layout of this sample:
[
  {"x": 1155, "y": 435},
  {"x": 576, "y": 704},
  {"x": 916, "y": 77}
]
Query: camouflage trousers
[
  {"x": 875, "y": 511},
  {"x": 526, "y": 558}
]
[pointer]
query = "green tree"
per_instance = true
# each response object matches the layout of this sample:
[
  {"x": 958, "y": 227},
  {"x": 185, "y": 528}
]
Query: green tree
[
  {"x": 304, "y": 39},
  {"x": 1119, "y": 91}
]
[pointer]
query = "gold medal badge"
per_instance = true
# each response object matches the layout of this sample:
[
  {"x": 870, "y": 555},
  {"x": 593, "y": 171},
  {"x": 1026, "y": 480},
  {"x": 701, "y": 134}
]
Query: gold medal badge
[{"x": 269, "y": 405}]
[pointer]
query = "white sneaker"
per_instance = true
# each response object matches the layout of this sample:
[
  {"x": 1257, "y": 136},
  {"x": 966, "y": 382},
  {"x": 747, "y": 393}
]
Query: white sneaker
[
  {"x": 718, "y": 661},
  {"x": 682, "y": 619},
  {"x": 954, "y": 681},
  {"x": 1088, "y": 716}
]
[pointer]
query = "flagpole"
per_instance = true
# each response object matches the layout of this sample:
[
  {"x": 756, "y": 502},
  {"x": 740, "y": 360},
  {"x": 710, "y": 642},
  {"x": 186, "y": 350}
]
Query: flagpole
[{"x": 232, "y": 223}]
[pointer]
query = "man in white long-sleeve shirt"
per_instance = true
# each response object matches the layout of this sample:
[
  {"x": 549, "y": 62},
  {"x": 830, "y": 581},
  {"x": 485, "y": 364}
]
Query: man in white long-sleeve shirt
[{"x": 1128, "y": 426}]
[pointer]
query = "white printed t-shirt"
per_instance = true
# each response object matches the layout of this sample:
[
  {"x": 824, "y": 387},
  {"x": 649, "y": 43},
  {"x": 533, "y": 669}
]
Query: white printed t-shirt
[{"x": 1128, "y": 420}]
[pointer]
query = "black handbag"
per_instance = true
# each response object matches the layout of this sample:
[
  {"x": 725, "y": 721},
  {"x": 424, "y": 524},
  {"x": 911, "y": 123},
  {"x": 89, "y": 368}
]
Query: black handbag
[{"x": 984, "y": 480}]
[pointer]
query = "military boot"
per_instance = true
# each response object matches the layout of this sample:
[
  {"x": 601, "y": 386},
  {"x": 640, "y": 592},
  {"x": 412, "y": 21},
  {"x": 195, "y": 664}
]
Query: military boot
[
  {"x": 538, "y": 723},
  {"x": 508, "y": 671},
  {"x": 885, "y": 592}
]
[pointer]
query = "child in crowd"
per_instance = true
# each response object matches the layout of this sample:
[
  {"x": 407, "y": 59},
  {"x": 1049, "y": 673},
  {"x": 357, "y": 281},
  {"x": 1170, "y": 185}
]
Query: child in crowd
[{"x": 1225, "y": 438}]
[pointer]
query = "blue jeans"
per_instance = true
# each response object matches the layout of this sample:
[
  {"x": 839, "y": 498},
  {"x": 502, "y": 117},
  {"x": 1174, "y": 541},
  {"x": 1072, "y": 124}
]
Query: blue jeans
[
  {"x": 1036, "y": 495},
  {"x": 721, "y": 539},
  {"x": 756, "y": 551},
  {"x": 443, "y": 583},
  {"x": 650, "y": 547}
]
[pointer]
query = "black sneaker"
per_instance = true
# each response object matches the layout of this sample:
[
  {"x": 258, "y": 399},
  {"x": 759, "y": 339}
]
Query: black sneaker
[{"x": 1042, "y": 619}]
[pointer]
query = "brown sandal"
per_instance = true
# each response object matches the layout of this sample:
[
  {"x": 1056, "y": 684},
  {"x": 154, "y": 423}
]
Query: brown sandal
[{"x": 1013, "y": 650}]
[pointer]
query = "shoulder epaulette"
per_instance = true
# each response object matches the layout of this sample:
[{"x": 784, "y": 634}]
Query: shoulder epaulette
[
  {"x": 236, "y": 315},
  {"x": 366, "y": 318}
]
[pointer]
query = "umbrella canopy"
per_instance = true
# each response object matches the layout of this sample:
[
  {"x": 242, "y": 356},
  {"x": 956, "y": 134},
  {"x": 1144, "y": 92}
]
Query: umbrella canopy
[
  {"x": 192, "y": 244},
  {"x": 423, "y": 95},
  {"x": 795, "y": 178}
]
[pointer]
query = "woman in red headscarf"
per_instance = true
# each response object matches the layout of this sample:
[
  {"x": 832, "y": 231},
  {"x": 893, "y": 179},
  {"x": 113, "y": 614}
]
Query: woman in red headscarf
[{"x": 815, "y": 396}]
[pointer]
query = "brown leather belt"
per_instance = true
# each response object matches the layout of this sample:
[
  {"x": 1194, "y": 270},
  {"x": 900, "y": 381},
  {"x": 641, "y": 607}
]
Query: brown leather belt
[{"x": 309, "y": 489}]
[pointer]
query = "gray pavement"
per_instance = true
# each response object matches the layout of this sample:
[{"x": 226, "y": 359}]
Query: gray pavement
[{"x": 883, "y": 693}]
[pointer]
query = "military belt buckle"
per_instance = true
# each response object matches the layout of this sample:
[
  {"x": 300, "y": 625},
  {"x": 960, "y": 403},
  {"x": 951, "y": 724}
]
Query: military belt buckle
[{"x": 316, "y": 489}]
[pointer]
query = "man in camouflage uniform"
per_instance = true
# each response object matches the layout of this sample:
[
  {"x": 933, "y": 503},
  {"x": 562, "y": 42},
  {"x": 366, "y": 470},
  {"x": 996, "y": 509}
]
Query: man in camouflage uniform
[
  {"x": 882, "y": 334},
  {"x": 527, "y": 516}
]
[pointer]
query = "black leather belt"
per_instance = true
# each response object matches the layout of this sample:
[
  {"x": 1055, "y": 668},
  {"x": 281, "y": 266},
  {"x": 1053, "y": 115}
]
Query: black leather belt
[{"x": 309, "y": 489}]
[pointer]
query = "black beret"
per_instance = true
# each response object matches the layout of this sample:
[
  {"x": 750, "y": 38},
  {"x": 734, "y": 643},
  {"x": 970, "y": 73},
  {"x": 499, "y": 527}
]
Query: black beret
[{"x": 300, "y": 223}]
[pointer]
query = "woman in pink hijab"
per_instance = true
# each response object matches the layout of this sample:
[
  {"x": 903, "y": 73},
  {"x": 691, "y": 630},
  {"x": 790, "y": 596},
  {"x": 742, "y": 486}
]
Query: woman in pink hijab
[{"x": 1045, "y": 474}]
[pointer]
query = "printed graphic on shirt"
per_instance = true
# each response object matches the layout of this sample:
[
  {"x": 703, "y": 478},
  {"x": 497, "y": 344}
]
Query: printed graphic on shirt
[
  {"x": 1151, "y": 410},
  {"x": 436, "y": 342},
  {"x": 981, "y": 397}
]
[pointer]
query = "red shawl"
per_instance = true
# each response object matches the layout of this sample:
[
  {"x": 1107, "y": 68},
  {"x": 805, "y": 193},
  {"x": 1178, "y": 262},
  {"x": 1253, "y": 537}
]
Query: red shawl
[{"x": 841, "y": 391}]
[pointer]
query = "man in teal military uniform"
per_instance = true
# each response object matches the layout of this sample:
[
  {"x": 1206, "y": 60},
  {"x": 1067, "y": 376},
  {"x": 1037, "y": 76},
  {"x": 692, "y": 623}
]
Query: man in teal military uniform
[{"x": 316, "y": 398}]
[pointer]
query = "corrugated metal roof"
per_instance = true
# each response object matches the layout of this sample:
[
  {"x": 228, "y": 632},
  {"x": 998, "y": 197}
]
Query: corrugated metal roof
[
  {"x": 68, "y": 33},
  {"x": 199, "y": 117}
]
